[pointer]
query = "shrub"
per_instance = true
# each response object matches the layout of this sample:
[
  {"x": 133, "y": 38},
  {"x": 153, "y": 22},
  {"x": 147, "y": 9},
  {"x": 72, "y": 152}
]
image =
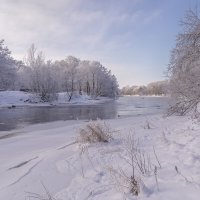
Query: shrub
[{"x": 95, "y": 131}]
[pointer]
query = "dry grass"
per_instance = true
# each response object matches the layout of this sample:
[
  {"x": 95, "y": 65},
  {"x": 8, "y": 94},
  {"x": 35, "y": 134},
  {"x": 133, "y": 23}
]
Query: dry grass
[
  {"x": 138, "y": 165},
  {"x": 138, "y": 159},
  {"x": 95, "y": 131},
  {"x": 129, "y": 180},
  {"x": 46, "y": 196},
  {"x": 123, "y": 182}
]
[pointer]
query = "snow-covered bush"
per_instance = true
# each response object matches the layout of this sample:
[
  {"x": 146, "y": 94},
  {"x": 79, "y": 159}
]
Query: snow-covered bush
[{"x": 95, "y": 131}]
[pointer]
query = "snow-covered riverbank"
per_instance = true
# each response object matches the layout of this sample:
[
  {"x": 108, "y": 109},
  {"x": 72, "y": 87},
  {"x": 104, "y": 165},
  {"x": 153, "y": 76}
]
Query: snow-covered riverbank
[
  {"x": 46, "y": 154},
  {"x": 19, "y": 98}
]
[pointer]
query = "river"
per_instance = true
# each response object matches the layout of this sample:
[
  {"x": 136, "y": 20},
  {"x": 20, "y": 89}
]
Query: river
[{"x": 123, "y": 107}]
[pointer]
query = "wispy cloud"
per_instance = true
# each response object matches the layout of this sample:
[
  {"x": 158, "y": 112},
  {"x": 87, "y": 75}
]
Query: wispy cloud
[
  {"x": 70, "y": 25},
  {"x": 104, "y": 30}
]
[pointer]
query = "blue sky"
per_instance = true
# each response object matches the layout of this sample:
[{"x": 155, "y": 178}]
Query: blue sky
[{"x": 133, "y": 38}]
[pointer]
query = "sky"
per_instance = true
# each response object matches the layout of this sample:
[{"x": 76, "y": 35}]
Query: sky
[{"x": 133, "y": 38}]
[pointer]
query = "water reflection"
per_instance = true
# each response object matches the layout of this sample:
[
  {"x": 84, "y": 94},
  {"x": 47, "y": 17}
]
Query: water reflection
[
  {"x": 123, "y": 107},
  {"x": 17, "y": 117}
]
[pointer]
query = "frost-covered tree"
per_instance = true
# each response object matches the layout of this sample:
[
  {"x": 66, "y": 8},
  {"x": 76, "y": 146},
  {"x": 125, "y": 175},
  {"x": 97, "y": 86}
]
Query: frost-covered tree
[
  {"x": 69, "y": 75},
  {"x": 113, "y": 90},
  {"x": 40, "y": 73},
  {"x": 8, "y": 68},
  {"x": 68, "y": 68},
  {"x": 127, "y": 90},
  {"x": 153, "y": 88},
  {"x": 98, "y": 81},
  {"x": 184, "y": 67},
  {"x": 157, "y": 88},
  {"x": 86, "y": 76}
]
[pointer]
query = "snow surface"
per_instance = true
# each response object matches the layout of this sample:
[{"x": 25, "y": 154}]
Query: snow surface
[
  {"x": 46, "y": 154},
  {"x": 20, "y": 98}
]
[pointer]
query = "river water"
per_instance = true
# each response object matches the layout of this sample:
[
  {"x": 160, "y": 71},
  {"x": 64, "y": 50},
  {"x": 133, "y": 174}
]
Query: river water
[{"x": 123, "y": 107}]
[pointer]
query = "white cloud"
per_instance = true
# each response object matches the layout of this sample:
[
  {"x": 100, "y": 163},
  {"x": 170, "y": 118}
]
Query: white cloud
[
  {"x": 66, "y": 24},
  {"x": 89, "y": 29}
]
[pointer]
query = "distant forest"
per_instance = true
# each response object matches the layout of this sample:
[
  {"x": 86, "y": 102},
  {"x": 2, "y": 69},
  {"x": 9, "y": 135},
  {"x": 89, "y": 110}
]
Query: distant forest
[{"x": 154, "y": 88}]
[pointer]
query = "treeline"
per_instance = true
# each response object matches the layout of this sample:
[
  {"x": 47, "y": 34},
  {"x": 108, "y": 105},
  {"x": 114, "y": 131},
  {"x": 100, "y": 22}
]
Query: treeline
[
  {"x": 154, "y": 88},
  {"x": 48, "y": 78}
]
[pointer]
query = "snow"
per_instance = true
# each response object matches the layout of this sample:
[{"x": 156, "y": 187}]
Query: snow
[
  {"x": 46, "y": 154},
  {"x": 20, "y": 98}
]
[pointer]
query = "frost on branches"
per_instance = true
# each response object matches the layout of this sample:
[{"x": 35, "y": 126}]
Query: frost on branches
[
  {"x": 184, "y": 67},
  {"x": 69, "y": 75},
  {"x": 8, "y": 68}
]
